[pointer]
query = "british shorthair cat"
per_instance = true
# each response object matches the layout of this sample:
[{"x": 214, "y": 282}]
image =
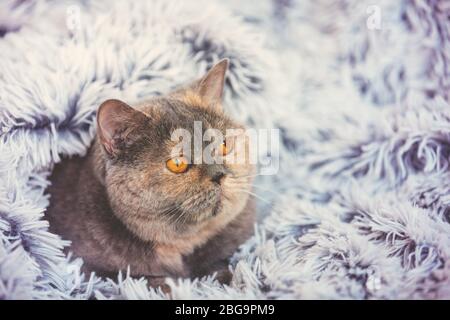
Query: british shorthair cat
[{"x": 131, "y": 202}]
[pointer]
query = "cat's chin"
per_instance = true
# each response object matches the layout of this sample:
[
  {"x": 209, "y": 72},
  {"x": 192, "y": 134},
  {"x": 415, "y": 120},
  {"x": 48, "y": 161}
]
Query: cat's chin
[
  {"x": 214, "y": 207},
  {"x": 198, "y": 218}
]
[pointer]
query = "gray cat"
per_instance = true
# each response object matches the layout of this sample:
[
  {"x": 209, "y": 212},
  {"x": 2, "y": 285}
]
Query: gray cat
[{"x": 130, "y": 202}]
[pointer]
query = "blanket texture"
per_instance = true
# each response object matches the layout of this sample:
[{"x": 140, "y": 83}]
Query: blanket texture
[{"x": 360, "y": 91}]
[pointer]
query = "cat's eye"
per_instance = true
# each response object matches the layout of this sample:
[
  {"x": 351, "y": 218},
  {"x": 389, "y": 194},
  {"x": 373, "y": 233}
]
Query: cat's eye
[
  {"x": 224, "y": 149},
  {"x": 177, "y": 164}
]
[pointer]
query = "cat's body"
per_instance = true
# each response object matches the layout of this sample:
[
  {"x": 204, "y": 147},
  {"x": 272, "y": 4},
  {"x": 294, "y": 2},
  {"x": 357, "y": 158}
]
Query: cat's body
[
  {"x": 120, "y": 206},
  {"x": 82, "y": 214}
]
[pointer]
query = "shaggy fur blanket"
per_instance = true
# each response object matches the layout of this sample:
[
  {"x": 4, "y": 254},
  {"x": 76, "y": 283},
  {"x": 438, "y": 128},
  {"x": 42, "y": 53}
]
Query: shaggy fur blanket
[{"x": 360, "y": 93}]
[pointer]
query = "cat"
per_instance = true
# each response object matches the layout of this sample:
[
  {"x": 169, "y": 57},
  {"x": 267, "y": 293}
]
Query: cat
[{"x": 129, "y": 202}]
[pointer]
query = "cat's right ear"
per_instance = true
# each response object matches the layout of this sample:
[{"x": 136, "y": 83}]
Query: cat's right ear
[{"x": 116, "y": 121}]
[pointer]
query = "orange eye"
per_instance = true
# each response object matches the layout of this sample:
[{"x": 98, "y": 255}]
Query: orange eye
[
  {"x": 223, "y": 149},
  {"x": 177, "y": 164}
]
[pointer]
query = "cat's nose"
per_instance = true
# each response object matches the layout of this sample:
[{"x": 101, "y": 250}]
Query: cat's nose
[
  {"x": 216, "y": 172},
  {"x": 217, "y": 178}
]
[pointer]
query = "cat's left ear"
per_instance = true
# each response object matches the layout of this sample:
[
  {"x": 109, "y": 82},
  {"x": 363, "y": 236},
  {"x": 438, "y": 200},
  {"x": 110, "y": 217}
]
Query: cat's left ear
[
  {"x": 118, "y": 125},
  {"x": 210, "y": 86}
]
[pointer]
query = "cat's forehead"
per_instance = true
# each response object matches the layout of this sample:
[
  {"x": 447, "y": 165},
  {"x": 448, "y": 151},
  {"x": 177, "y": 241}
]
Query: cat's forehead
[
  {"x": 172, "y": 114},
  {"x": 156, "y": 138}
]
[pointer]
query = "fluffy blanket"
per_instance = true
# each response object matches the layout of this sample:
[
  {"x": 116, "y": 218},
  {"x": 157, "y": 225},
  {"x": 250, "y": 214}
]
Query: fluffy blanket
[{"x": 360, "y": 93}]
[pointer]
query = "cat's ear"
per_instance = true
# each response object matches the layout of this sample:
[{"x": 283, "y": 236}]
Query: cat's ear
[
  {"x": 210, "y": 86},
  {"x": 116, "y": 121}
]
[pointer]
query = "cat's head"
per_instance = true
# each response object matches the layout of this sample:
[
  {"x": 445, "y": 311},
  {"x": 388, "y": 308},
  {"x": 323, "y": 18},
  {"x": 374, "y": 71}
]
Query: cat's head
[{"x": 153, "y": 184}]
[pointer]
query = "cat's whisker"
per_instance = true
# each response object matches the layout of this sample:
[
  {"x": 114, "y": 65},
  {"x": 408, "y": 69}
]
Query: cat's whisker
[
  {"x": 168, "y": 213},
  {"x": 178, "y": 218},
  {"x": 247, "y": 176},
  {"x": 272, "y": 209},
  {"x": 183, "y": 215},
  {"x": 250, "y": 185},
  {"x": 266, "y": 189},
  {"x": 255, "y": 195},
  {"x": 166, "y": 210},
  {"x": 183, "y": 212}
]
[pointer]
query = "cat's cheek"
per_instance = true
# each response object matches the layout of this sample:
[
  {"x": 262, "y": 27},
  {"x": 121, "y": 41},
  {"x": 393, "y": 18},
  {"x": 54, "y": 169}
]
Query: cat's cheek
[{"x": 234, "y": 202}]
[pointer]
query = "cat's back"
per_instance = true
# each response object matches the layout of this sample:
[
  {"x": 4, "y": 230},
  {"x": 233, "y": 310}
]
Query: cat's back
[
  {"x": 79, "y": 211},
  {"x": 62, "y": 190}
]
